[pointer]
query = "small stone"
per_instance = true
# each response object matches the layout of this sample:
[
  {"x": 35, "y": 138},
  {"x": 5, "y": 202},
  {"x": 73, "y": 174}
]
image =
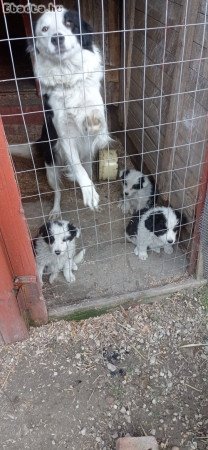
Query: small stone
[
  {"x": 123, "y": 410},
  {"x": 78, "y": 356},
  {"x": 83, "y": 431},
  {"x": 115, "y": 435},
  {"x": 127, "y": 418},
  {"x": 152, "y": 360},
  {"x": 154, "y": 401},
  {"x": 153, "y": 432},
  {"x": 111, "y": 367}
]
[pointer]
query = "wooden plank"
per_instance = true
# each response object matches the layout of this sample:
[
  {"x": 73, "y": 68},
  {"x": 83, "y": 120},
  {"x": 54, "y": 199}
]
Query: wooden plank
[
  {"x": 199, "y": 208},
  {"x": 168, "y": 160},
  {"x": 12, "y": 325},
  {"x": 15, "y": 235},
  {"x": 126, "y": 60}
]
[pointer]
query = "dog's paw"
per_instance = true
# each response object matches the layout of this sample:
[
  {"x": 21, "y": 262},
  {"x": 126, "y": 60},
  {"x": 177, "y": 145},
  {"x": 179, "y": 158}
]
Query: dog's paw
[
  {"x": 54, "y": 214},
  {"x": 121, "y": 205},
  {"x": 90, "y": 197},
  {"x": 52, "y": 277},
  {"x": 156, "y": 249},
  {"x": 136, "y": 252},
  {"x": 74, "y": 266},
  {"x": 168, "y": 249},
  {"x": 93, "y": 122},
  {"x": 143, "y": 256},
  {"x": 70, "y": 278}
]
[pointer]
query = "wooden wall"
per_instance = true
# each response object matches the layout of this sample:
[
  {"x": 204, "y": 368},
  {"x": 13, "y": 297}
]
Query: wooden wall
[{"x": 174, "y": 167}]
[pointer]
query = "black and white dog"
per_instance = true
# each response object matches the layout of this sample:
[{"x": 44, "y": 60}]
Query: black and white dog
[
  {"x": 54, "y": 248},
  {"x": 69, "y": 68},
  {"x": 138, "y": 191},
  {"x": 154, "y": 228}
]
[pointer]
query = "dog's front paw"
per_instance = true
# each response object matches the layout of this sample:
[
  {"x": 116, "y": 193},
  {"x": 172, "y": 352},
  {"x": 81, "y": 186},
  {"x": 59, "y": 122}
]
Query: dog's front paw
[
  {"x": 52, "y": 277},
  {"x": 70, "y": 278},
  {"x": 93, "y": 122},
  {"x": 90, "y": 197},
  {"x": 121, "y": 205},
  {"x": 156, "y": 249},
  {"x": 54, "y": 214},
  {"x": 74, "y": 266},
  {"x": 168, "y": 249},
  {"x": 143, "y": 256}
]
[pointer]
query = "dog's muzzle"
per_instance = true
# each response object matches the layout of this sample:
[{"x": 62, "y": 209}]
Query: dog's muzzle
[{"x": 58, "y": 40}]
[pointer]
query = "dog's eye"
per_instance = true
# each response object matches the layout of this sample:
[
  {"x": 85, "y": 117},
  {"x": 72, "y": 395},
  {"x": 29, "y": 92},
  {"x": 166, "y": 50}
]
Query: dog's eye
[
  {"x": 44, "y": 29},
  {"x": 68, "y": 238},
  {"x": 68, "y": 23}
]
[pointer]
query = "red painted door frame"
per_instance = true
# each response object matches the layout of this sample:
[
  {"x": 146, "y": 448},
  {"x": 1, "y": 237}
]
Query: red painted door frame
[{"x": 20, "y": 290}]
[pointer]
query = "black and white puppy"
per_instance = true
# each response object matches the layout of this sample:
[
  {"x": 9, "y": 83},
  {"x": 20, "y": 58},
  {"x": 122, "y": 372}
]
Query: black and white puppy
[
  {"x": 153, "y": 228},
  {"x": 69, "y": 68},
  {"x": 138, "y": 191},
  {"x": 54, "y": 249}
]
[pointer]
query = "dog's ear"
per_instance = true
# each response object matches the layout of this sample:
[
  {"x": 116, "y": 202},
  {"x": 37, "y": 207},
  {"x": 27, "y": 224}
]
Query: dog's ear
[
  {"x": 87, "y": 39},
  {"x": 123, "y": 173},
  {"x": 156, "y": 223},
  {"x": 83, "y": 29},
  {"x": 141, "y": 183},
  {"x": 45, "y": 232},
  {"x": 74, "y": 232},
  {"x": 42, "y": 231},
  {"x": 181, "y": 217},
  {"x": 78, "y": 232},
  {"x": 30, "y": 45}
]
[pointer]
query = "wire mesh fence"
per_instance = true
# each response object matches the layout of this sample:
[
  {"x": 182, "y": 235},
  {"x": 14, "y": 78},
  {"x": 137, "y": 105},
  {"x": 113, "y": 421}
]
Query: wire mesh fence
[{"x": 154, "y": 85}]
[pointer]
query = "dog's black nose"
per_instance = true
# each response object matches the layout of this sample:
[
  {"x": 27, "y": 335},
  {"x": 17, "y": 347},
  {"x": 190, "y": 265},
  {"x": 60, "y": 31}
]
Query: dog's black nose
[
  {"x": 57, "y": 252},
  {"x": 170, "y": 241},
  {"x": 126, "y": 193},
  {"x": 57, "y": 39}
]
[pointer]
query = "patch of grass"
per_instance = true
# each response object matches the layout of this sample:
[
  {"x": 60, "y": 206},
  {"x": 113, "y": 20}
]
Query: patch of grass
[
  {"x": 84, "y": 314},
  {"x": 203, "y": 295}
]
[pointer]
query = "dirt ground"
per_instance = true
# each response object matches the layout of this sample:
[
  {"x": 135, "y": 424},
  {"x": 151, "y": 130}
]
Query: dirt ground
[{"x": 80, "y": 385}]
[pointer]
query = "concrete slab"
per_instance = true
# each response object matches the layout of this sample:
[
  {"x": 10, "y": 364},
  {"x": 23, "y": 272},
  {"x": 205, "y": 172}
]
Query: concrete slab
[{"x": 137, "y": 443}]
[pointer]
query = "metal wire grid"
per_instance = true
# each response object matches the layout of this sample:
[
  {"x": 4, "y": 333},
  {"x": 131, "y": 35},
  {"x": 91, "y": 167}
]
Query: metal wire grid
[{"x": 124, "y": 132}]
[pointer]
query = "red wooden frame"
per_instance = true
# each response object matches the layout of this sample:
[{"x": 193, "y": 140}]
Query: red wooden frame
[
  {"x": 18, "y": 268},
  {"x": 199, "y": 209}
]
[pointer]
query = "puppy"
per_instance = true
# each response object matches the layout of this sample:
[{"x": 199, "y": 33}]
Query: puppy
[
  {"x": 138, "y": 191},
  {"x": 54, "y": 248},
  {"x": 153, "y": 228}
]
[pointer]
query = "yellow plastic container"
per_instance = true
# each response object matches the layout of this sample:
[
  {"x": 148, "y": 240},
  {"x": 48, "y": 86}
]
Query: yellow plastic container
[{"x": 108, "y": 165}]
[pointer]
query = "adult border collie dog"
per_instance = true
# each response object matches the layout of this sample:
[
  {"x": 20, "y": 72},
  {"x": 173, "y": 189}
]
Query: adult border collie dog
[
  {"x": 154, "y": 228},
  {"x": 69, "y": 68}
]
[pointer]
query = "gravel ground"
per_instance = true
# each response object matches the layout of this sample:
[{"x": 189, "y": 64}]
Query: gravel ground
[{"x": 80, "y": 385}]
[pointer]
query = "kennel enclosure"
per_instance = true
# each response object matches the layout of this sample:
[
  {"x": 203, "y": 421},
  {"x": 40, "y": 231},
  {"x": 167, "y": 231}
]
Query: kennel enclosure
[{"x": 155, "y": 92}]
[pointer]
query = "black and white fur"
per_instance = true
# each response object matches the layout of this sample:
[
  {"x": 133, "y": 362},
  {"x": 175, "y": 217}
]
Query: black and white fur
[
  {"x": 69, "y": 68},
  {"x": 138, "y": 191},
  {"x": 55, "y": 248},
  {"x": 153, "y": 228}
]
